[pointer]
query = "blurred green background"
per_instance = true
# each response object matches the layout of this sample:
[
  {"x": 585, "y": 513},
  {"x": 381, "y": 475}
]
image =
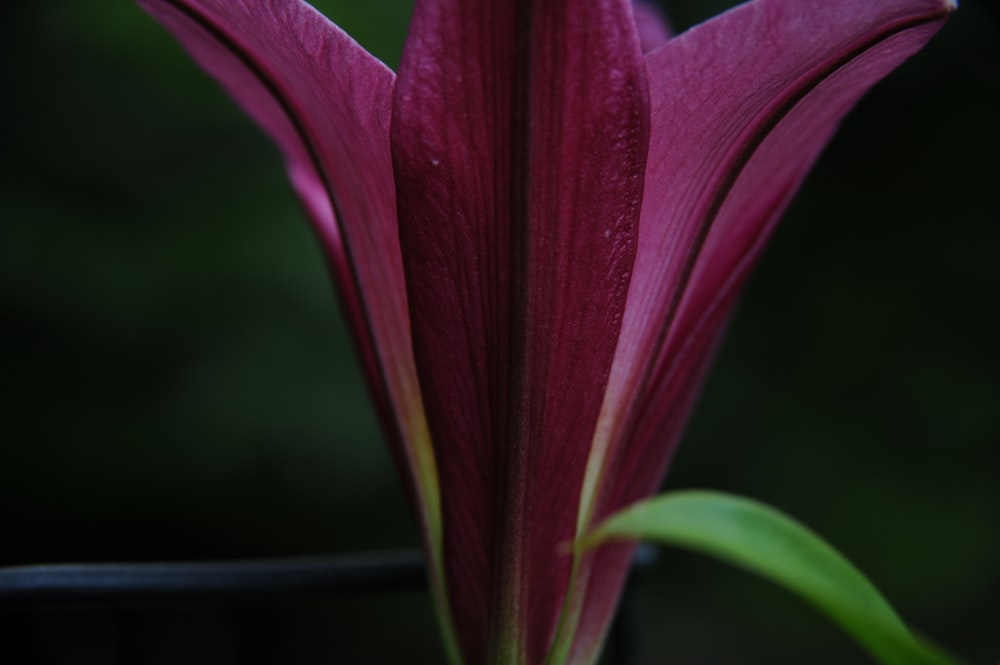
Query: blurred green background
[{"x": 177, "y": 382}]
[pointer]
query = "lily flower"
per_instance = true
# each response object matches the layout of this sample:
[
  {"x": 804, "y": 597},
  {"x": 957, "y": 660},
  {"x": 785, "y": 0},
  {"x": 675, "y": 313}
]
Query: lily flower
[{"x": 537, "y": 228}]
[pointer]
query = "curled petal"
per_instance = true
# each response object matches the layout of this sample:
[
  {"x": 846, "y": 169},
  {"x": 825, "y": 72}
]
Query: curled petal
[
  {"x": 326, "y": 103},
  {"x": 741, "y": 107}
]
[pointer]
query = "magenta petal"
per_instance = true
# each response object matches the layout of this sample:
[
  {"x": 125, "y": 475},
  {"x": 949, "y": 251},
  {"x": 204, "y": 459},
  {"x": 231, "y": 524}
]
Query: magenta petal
[
  {"x": 519, "y": 139},
  {"x": 737, "y": 122},
  {"x": 326, "y": 103},
  {"x": 741, "y": 107}
]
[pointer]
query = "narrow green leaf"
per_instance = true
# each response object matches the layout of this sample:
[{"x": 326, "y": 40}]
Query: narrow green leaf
[{"x": 762, "y": 540}]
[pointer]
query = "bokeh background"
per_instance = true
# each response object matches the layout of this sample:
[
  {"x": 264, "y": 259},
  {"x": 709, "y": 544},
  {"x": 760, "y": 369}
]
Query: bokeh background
[{"x": 177, "y": 382}]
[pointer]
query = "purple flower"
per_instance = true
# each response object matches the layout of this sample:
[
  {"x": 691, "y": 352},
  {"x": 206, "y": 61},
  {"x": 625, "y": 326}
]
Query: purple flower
[{"x": 537, "y": 228}]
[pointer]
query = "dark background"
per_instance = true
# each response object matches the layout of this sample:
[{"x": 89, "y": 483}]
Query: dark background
[{"x": 176, "y": 381}]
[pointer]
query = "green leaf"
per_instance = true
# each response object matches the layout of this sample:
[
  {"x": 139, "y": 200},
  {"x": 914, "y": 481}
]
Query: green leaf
[{"x": 762, "y": 540}]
